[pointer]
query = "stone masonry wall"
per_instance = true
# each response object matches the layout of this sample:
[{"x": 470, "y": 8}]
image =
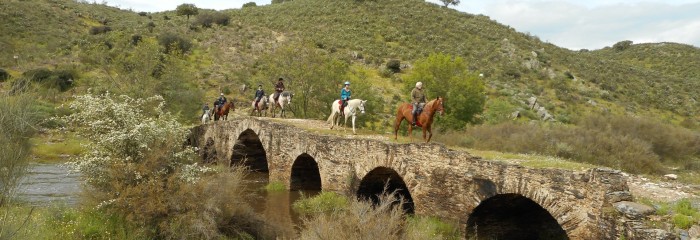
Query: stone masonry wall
[{"x": 442, "y": 182}]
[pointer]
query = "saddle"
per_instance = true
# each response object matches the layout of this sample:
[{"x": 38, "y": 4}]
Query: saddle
[{"x": 419, "y": 111}]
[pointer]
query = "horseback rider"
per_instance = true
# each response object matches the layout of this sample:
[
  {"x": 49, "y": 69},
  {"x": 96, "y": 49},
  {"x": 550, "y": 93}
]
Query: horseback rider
[
  {"x": 205, "y": 108},
  {"x": 344, "y": 97},
  {"x": 418, "y": 101},
  {"x": 279, "y": 88},
  {"x": 219, "y": 102},
  {"x": 259, "y": 94}
]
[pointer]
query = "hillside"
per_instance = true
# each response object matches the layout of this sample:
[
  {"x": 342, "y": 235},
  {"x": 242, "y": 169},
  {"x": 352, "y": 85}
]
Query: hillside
[{"x": 316, "y": 44}]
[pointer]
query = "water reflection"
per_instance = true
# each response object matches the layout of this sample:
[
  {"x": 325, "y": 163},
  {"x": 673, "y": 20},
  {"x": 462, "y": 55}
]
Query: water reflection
[{"x": 276, "y": 207}]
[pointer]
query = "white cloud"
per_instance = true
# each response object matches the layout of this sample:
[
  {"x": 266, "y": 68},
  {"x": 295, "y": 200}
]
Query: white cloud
[{"x": 573, "y": 24}]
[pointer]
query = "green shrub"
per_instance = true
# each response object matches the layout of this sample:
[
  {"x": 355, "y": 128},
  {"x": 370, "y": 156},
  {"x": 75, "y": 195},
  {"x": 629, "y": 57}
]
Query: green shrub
[
  {"x": 622, "y": 45},
  {"x": 143, "y": 14},
  {"x": 150, "y": 26},
  {"x": 430, "y": 228},
  {"x": 187, "y": 9},
  {"x": 4, "y": 75},
  {"x": 205, "y": 19},
  {"x": 99, "y": 29},
  {"x": 394, "y": 65},
  {"x": 685, "y": 207},
  {"x": 683, "y": 221},
  {"x": 173, "y": 42},
  {"x": 38, "y": 74},
  {"x": 325, "y": 202},
  {"x": 275, "y": 186},
  {"x": 249, "y": 4},
  {"x": 136, "y": 39}
]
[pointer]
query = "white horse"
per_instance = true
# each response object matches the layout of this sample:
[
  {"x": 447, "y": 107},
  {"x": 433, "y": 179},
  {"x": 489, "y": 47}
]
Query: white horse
[
  {"x": 284, "y": 99},
  {"x": 350, "y": 110},
  {"x": 262, "y": 105},
  {"x": 205, "y": 117}
]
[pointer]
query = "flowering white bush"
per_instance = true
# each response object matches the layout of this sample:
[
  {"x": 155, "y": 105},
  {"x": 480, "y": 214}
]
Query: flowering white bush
[{"x": 123, "y": 133}]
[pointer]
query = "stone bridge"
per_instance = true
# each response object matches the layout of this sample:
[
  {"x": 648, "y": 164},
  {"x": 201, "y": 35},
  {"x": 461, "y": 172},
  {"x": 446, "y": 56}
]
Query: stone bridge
[{"x": 492, "y": 199}]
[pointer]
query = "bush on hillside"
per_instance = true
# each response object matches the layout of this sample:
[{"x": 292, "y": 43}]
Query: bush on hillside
[
  {"x": 59, "y": 79},
  {"x": 173, "y": 42},
  {"x": 4, "y": 75},
  {"x": 136, "y": 39},
  {"x": 622, "y": 45},
  {"x": 208, "y": 19},
  {"x": 249, "y": 4},
  {"x": 150, "y": 26},
  {"x": 99, "y": 30},
  {"x": 187, "y": 9},
  {"x": 394, "y": 65},
  {"x": 143, "y": 14}
]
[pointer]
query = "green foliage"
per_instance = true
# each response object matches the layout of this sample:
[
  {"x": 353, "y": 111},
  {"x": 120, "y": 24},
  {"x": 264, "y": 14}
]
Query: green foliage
[
  {"x": 499, "y": 110},
  {"x": 280, "y": 1},
  {"x": 447, "y": 3},
  {"x": 312, "y": 74},
  {"x": 430, "y": 228},
  {"x": 447, "y": 76},
  {"x": 136, "y": 39},
  {"x": 208, "y": 19},
  {"x": 4, "y": 75},
  {"x": 325, "y": 202},
  {"x": 61, "y": 79},
  {"x": 622, "y": 45},
  {"x": 172, "y": 42},
  {"x": 99, "y": 29},
  {"x": 394, "y": 65},
  {"x": 275, "y": 187},
  {"x": 186, "y": 9},
  {"x": 683, "y": 221},
  {"x": 17, "y": 124},
  {"x": 249, "y": 4}
]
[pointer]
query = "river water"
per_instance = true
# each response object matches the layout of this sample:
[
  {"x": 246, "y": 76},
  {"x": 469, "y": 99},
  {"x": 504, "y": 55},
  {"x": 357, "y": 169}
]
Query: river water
[
  {"x": 53, "y": 184},
  {"x": 50, "y": 184}
]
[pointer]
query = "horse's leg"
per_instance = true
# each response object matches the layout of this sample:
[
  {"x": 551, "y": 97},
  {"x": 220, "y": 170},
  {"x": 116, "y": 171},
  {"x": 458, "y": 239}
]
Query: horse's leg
[
  {"x": 353, "y": 124},
  {"x": 430, "y": 133},
  {"x": 410, "y": 131},
  {"x": 397, "y": 124},
  {"x": 424, "y": 130}
]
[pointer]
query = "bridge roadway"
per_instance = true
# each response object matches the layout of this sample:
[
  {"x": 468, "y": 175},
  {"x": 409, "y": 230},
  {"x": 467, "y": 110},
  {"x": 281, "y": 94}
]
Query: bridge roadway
[{"x": 493, "y": 199}]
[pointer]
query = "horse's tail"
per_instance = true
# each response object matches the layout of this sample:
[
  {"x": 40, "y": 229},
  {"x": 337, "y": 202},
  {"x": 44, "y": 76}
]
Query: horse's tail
[{"x": 330, "y": 118}]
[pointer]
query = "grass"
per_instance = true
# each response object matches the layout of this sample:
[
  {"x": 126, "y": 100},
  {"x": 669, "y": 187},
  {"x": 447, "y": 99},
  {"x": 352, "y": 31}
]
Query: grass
[
  {"x": 56, "y": 147},
  {"x": 681, "y": 213},
  {"x": 325, "y": 202},
  {"x": 419, "y": 227},
  {"x": 275, "y": 187},
  {"x": 531, "y": 160}
]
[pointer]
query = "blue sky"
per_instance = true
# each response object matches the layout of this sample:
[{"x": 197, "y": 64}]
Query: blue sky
[{"x": 573, "y": 24}]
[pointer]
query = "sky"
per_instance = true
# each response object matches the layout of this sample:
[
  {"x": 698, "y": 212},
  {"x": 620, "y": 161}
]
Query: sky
[{"x": 573, "y": 24}]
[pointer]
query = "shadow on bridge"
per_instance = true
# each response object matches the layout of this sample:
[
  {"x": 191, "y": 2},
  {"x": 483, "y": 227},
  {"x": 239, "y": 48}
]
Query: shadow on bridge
[
  {"x": 249, "y": 152},
  {"x": 512, "y": 216},
  {"x": 375, "y": 182}
]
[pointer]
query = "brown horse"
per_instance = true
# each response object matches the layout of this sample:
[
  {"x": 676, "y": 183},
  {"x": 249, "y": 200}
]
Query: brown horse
[
  {"x": 222, "y": 112},
  {"x": 425, "y": 118}
]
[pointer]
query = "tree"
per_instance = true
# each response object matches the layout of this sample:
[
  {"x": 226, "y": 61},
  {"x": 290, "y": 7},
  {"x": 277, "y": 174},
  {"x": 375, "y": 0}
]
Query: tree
[
  {"x": 312, "y": 74},
  {"x": 447, "y": 76},
  {"x": 450, "y": 2},
  {"x": 187, "y": 9}
]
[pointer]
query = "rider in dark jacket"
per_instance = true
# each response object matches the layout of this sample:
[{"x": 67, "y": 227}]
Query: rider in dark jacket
[
  {"x": 259, "y": 94},
  {"x": 279, "y": 88},
  {"x": 220, "y": 102}
]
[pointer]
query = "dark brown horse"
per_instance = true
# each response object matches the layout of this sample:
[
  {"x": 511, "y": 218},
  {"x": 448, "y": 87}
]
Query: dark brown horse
[
  {"x": 425, "y": 118},
  {"x": 222, "y": 112}
]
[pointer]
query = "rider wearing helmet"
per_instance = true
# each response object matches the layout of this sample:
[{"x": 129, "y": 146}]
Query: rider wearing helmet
[
  {"x": 259, "y": 94},
  {"x": 418, "y": 101},
  {"x": 344, "y": 97}
]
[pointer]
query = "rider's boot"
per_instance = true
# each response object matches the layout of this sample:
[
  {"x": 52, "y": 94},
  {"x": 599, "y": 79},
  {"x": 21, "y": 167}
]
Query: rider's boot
[{"x": 415, "y": 118}]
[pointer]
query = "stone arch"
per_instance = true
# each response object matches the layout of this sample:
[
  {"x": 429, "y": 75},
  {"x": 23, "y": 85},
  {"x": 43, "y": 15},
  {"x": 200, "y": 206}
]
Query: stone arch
[
  {"x": 372, "y": 185},
  {"x": 208, "y": 151},
  {"x": 250, "y": 152},
  {"x": 512, "y": 216},
  {"x": 305, "y": 174}
]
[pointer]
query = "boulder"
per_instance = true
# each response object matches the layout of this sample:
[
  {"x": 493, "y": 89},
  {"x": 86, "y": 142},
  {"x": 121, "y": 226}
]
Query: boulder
[
  {"x": 671, "y": 176},
  {"x": 619, "y": 196},
  {"x": 694, "y": 232},
  {"x": 633, "y": 210}
]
